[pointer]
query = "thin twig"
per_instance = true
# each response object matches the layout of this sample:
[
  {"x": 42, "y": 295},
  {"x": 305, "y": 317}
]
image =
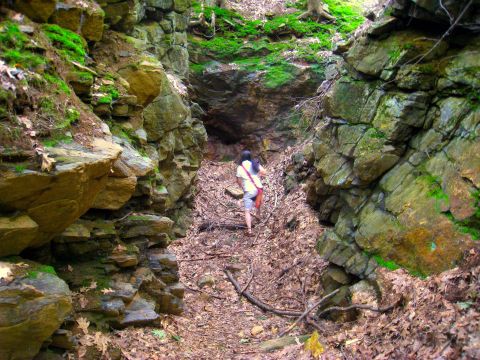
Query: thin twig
[
  {"x": 455, "y": 23},
  {"x": 308, "y": 310}
]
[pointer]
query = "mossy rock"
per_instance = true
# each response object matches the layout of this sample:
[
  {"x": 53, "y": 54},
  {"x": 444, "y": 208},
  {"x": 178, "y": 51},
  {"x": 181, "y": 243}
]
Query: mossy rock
[
  {"x": 33, "y": 307},
  {"x": 37, "y": 10}
]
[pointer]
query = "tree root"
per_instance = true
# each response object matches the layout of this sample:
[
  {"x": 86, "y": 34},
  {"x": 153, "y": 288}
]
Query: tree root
[
  {"x": 308, "y": 311},
  {"x": 258, "y": 303},
  {"x": 358, "y": 306}
]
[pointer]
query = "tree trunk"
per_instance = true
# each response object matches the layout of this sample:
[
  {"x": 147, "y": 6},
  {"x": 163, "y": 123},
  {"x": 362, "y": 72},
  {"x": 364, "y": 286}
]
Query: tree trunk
[{"x": 315, "y": 9}]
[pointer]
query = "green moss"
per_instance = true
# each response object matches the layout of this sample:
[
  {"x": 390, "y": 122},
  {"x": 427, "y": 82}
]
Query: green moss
[
  {"x": 56, "y": 140},
  {"x": 138, "y": 218},
  {"x": 11, "y": 36},
  {"x": 392, "y": 266},
  {"x": 278, "y": 75},
  {"x": 69, "y": 44},
  {"x": 20, "y": 168},
  {"x": 12, "y": 47},
  {"x": 47, "y": 105},
  {"x": 388, "y": 264},
  {"x": 61, "y": 85},
  {"x": 111, "y": 94},
  {"x": 33, "y": 274},
  {"x": 348, "y": 15},
  {"x": 258, "y": 45},
  {"x": 377, "y": 134},
  {"x": 72, "y": 115},
  {"x": 85, "y": 76},
  {"x": 25, "y": 59},
  {"x": 435, "y": 190}
]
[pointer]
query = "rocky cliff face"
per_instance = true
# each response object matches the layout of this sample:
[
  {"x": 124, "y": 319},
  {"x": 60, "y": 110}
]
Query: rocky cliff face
[
  {"x": 395, "y": 163},
  {"x": 98, "y": 154}
]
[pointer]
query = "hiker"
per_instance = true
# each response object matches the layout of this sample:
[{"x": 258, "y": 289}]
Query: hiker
[{"x": 248, "y": 177}]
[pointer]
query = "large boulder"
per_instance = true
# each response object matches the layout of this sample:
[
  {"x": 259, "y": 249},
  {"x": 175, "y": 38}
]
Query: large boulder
[
  {"x": 146, "y": 80},
  {"x": 166, "y": 113},
  {"x": 53, "y": 200},
  {"x": 33, "y": 304}
]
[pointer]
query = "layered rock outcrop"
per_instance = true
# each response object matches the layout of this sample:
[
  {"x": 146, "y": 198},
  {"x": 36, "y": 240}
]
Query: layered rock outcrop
[
  {"x": 98, "y": 178},
  {"x": 395, "y": 162}
]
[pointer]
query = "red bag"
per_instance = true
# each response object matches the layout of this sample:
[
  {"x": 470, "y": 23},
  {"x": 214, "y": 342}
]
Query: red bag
[{"x": 259, "y": 197}]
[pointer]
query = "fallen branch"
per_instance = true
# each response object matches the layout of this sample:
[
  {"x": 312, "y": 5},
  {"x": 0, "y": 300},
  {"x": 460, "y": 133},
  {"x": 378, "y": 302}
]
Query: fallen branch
[
  {"x": 248, "y": 282},
  {"x": 356, "y": 306},
  {"x": 256, "y": 302},
  {"x": 205, "y": 258},
  {"x": 203, "y": 292},
  {"x": 308, "y": 311},
  {"x": 286, "y": 270},
  {"x": 209, "y": 226}
]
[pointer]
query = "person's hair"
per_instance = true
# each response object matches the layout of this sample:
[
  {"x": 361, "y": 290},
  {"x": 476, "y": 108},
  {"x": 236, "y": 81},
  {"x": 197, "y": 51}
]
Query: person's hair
[
  {"x": 246, "y": 156},
  {"x": 256, "y": 166}
]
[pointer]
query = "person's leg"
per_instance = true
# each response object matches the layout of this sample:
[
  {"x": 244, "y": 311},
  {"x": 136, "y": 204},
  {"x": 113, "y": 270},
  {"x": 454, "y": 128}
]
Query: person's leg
[
  {"x": 247, "y": 199},
  {"x": 248, "y": 220}
]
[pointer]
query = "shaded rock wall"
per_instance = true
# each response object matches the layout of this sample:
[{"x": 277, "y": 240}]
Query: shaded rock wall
[
  {"x": 395, "y": 163},
  {"x": 239, "y": 107}
]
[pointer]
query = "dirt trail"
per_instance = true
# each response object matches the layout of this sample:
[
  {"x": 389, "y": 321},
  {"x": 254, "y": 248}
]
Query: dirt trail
[{"x": 216, "y": 324}]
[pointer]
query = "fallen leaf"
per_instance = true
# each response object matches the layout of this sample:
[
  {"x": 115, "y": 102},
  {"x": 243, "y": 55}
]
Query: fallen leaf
[
  {"x": 83, "y": 324},
  {"x": 82, "y": 300},
  {"x": 314, "y": 346},
  {"x": 160, "y": 334},
  {"x": 256, "y": 330}
]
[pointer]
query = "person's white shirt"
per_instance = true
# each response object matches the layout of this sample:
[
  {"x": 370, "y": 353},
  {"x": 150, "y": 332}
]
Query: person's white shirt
[{"x": 247, "y": 184}]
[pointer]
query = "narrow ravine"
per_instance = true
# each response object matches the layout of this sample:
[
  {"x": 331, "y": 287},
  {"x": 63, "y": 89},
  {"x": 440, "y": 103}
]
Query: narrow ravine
[{"x": 216, "y": 324}]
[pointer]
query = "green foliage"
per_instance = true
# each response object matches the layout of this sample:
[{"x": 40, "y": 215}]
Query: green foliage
[
  {"x": 257, "y": 45},
  {"x": 61, "y": 85},
  {"x": 69, "y": 44}
]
